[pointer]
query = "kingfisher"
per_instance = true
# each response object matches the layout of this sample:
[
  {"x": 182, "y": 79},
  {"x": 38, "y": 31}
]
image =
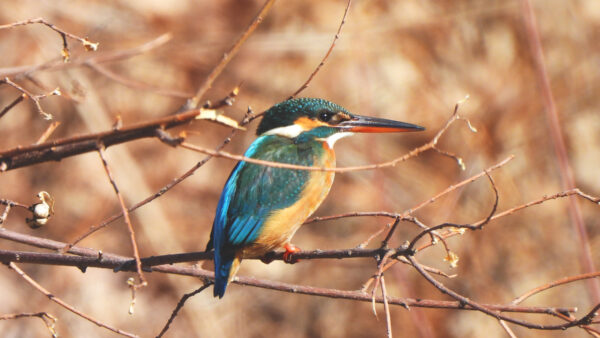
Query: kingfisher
[{"x": 261, "y": 207}]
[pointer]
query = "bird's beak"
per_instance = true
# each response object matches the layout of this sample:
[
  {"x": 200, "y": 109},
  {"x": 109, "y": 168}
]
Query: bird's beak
[{"x": 366, "y": 124}]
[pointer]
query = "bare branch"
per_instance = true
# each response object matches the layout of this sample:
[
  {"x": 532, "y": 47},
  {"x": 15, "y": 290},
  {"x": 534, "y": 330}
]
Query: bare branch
[
  {"x": 136, "y": 251},
  {"x": 112, "y": 56},
  {"x": 35, "y": 98},
  {"x": 135, "y": 84},
  {"x": 335, "y": 38},
  {"x": 48, "y": 319},
  {"x": 60, "y": 302},
  {"x": 496, "y": 314},
  {"x": 75, "y": 145},
  {"x": 12, "y": 104},
  {"x": 180, "y": 306},
  {"x": 93, "y": 258},
  {"x": 194, "y": 102},
  {"x": 561, "y": 281},
  {"x": 560, "y": 148},
  {"x": 87, "y": 44}
]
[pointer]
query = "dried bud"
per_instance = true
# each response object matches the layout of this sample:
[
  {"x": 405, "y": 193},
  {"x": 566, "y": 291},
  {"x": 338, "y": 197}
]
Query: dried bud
[
  {"x": 452, "y": 258},
  {"x": 90, "y": 46}
]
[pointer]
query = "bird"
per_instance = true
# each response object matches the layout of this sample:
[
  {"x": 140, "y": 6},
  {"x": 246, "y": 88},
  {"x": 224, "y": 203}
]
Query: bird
[{"x": 261, "y": 207}]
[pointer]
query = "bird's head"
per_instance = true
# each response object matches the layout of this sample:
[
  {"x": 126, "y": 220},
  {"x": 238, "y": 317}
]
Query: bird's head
[{"x": 321, "y": 119}]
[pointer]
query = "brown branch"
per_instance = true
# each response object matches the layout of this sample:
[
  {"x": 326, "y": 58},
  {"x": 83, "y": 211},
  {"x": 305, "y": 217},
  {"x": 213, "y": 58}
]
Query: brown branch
[
  {"x": 493, "y": 312},
  {"x": 405, "y": 214},
  {"x": 56, "y": 150},
  {"x": 87, "y": 44},
  {"x": 136, "y": 251},
  {"x": 99, "y": 57},
  {"x": 60, "y": 302},
  {"x": 477, "y": 226},
  {"x": 133, "y": 83},
  {"x": 156, "y": 195},
  {"x": 560, "y": 149},
  {"x": 180, "y": 306},
  {"x": 561, "y": 281},
  {"x": 386, "y": 307},
  {"x": 12, "y": 104},
  {"x": 33, "y": 97},
  {"x": 194, "y": 102},
  {"x": 51, "y": 128},
  {"x": 431, "y": 145},
  {"x": 48, "y": 319},
  {"x": 572, "y": 192},
  {"x": 335, "y": 38},
  {"x": 93, "y": 258},
  {"x": 561, "y": 194}
]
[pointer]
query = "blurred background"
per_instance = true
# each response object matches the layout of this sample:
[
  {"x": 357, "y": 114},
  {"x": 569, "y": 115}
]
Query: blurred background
[{"x": 406, "y": 60}]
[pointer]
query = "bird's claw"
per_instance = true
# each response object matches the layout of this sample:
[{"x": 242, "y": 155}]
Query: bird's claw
[{"x": 290, "y": 250}]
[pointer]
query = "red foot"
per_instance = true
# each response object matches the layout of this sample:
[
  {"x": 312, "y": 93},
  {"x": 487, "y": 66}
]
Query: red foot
[{"x": 290, "y": 249}]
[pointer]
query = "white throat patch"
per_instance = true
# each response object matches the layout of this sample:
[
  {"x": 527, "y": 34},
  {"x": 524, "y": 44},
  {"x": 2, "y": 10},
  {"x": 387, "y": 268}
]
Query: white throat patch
[
  {"x": 288, "y": 131},
  {"x": 333, "y": 138}
]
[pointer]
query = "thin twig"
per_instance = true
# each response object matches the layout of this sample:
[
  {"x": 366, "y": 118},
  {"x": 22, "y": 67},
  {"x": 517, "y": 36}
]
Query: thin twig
[
  {"x": 387, "y": 238},
  {"x": 507, "y": 328},
  {"x": 194, "y": 102},
  {"x": 335, "y": 38},
  {"x": 136, "y": 252},
  {"x": 405, "y": 214},
  {"x": 496, "y": 314},
  {"x": 51, "y": 128},
  {"x": 386, "y": 308},
  {"x": 12, "y": 104},
  {"x": 180, "y": 306},
  {"x": 34, "y": 98},
  {"x": 100, "y": 57},
  {"x": 560, "y": 149},
  {"x": 48, "y": 319},
  {"x": 427, "y": 146},
  {"x": 60, "y": 302},
  {"x": 477, "y": 226},
  {"x": 149, "y": 199},
  {"x": 561, "y": 281},
  {"x": 135, "y": 84},
  {"x": 87, "y": 44}
]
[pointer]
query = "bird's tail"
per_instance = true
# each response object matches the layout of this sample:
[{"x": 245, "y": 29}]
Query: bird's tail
[{"x": 225, "y": 270}]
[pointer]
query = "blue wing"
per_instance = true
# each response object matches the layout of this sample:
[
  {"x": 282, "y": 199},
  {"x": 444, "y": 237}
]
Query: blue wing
[{"x": 251, "y": 193}]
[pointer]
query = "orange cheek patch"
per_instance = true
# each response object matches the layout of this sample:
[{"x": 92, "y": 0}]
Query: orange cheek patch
[{"x": 308, "y": 124}]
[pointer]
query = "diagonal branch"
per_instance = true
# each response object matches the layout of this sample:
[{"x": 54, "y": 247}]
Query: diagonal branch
[
  {"x": 136, "y": 251},
  {"x": 60, "y": 302},
  {"x": 22, "y": 156},
  {"x": 194, "y": 102},
  {"x": 335, "y": 38}
]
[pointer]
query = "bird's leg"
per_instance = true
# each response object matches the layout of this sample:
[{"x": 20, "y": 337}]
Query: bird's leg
[{"x": 290, "y": 249}]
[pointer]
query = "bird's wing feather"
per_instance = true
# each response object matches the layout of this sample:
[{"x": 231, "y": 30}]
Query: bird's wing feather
[{"x": 253, "y": 191}]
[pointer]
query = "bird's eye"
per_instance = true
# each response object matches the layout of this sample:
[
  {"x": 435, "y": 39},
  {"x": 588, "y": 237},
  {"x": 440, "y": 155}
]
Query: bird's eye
[{"x": 325, "y": 116}]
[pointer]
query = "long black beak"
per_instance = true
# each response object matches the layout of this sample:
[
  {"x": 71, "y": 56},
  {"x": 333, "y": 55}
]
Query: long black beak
[{"x": 366, "y": 124}]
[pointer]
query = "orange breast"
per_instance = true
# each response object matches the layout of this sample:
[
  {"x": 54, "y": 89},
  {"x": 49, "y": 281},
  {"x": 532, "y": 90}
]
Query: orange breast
[{"x": 282, "y": 224}]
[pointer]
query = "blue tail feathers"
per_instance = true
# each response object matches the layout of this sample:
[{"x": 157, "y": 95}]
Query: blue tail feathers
[{"x": 223, "y": 264}]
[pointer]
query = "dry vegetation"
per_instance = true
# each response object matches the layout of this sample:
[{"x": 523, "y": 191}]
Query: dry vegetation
[{"x": 407, "y": 60}]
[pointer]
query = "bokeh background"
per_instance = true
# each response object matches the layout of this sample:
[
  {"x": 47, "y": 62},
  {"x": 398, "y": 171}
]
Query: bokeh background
[{"x": 407, "y": 60}]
